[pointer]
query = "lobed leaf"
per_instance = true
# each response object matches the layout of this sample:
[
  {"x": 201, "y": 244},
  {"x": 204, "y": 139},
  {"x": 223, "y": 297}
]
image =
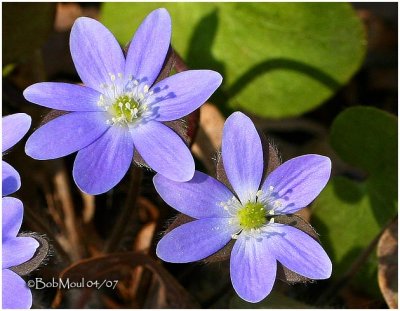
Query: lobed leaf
[{"x": 277, "y": 59}]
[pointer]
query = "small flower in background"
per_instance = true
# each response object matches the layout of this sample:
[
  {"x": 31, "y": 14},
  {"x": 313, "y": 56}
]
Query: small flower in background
[
  {"x": 248, "y": 214},
  {"x": 119, "y": 110},
  {"x": 14, "y": 127},
  {"x": 15, "y": 251}
]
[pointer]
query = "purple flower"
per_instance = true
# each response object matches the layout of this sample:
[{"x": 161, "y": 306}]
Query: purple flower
[
  {"x": 15, "y": 251},
  {"x": 119, "y": 109},
  {"x": 247, "y": 215},
  {"x": 14, "y": 128}
]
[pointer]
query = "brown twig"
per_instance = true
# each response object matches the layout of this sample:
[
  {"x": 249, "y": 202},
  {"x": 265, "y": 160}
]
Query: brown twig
[{"x": 64, "y": 195}]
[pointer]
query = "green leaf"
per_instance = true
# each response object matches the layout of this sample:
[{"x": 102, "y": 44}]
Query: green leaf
[
  {"x": 25, "y": 28},
  {"x": 367, "y": 138},
  {"x": 349, "y": 214},
  {"x": 277, "y": 59}
]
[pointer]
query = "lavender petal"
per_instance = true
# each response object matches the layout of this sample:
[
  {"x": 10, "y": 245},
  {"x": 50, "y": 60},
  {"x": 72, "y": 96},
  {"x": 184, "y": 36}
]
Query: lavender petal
[
  {"x": 298, "y": 251},
  {"x": 242, "y": 156},
  {"x": 102, "y": 165},
  {"x": 253, "y": 269},
  {"x": 182, "y": 93},
  {"x": 14, "y": 127},
  {"x": 11, "y": 181},
  {"x": 63, "y": 96},
  {"x": 17, "y": 250},
  {"x": 12, "y": 213},
  {"x": 15, "y": 292},
  {"x": 297, "y": 182},
  {"x": 163, "y": 150},
  {"x": 200, "y": 197},
  {"x": 65, "y": 135},
  {"x": 149, "y": 47},
  {"x": 97, "y": 56},
  {"x": 195, "y": 240}
]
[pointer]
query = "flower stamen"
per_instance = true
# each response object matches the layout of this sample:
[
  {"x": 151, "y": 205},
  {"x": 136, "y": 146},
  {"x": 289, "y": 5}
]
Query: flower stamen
[
  {"x": 123, "y": 100},
  {"x": 231, "y": 206},
  {"x": 252, "y": 216}
]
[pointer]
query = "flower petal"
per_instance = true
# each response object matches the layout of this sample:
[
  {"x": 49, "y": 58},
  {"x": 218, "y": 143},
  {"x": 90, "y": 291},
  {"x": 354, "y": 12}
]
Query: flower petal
[
  {"x": 182, "y": 93},
  {"x": 11, "y": 181},
  {"x": 102, "y": 165},
  {"x": 163, "y": 150},
  {"x": 298, "y": 251},
  {"x": 15, "y": 292},
  {"x": 297, "y": 182},
  {"x": 14, "y": 127},
  {"x": 149, "y": 47},
  {"x": 63, "y": 96},
  {"x": 253, "y": 268},
  {"x": 12, "y": 213},
  {"x": 65, "y": 135},
  {"x": 18, "y": 250},
  {"x": 199, "y": 198},
  {"x": 242, "y": 156},
  {"x": 96, "y": 53},
  {"x": 195, "y": 240}
]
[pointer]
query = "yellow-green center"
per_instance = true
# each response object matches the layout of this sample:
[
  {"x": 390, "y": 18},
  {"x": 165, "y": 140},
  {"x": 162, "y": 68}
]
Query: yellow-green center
[
  {"x": 124, "y": 109},
  {"x": 252, "y": 216}
]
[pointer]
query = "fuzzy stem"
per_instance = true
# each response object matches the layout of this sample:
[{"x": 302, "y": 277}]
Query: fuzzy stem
[{"x": 129, "y": 207}]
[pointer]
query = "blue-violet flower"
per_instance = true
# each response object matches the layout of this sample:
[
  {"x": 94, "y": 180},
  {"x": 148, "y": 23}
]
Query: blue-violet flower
[
  {"x": 247, "y": 215},
  {"x": 15, "y": 250},
  {"x": 119, "y": 109}
]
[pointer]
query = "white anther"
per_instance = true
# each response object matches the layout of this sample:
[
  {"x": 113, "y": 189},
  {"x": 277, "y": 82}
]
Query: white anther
[
  {"x": 272, "y": 220},
  {"x": 145, "y": 88},
  {"x": 259, "y": 193},
  {"x": 119, "y": 75}
]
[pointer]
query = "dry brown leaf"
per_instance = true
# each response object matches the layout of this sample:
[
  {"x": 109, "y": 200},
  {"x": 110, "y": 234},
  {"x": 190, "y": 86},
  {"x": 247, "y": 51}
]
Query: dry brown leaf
[
  {"x": 387, "y": 266},
  {"x": 209, "y": 135}
]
